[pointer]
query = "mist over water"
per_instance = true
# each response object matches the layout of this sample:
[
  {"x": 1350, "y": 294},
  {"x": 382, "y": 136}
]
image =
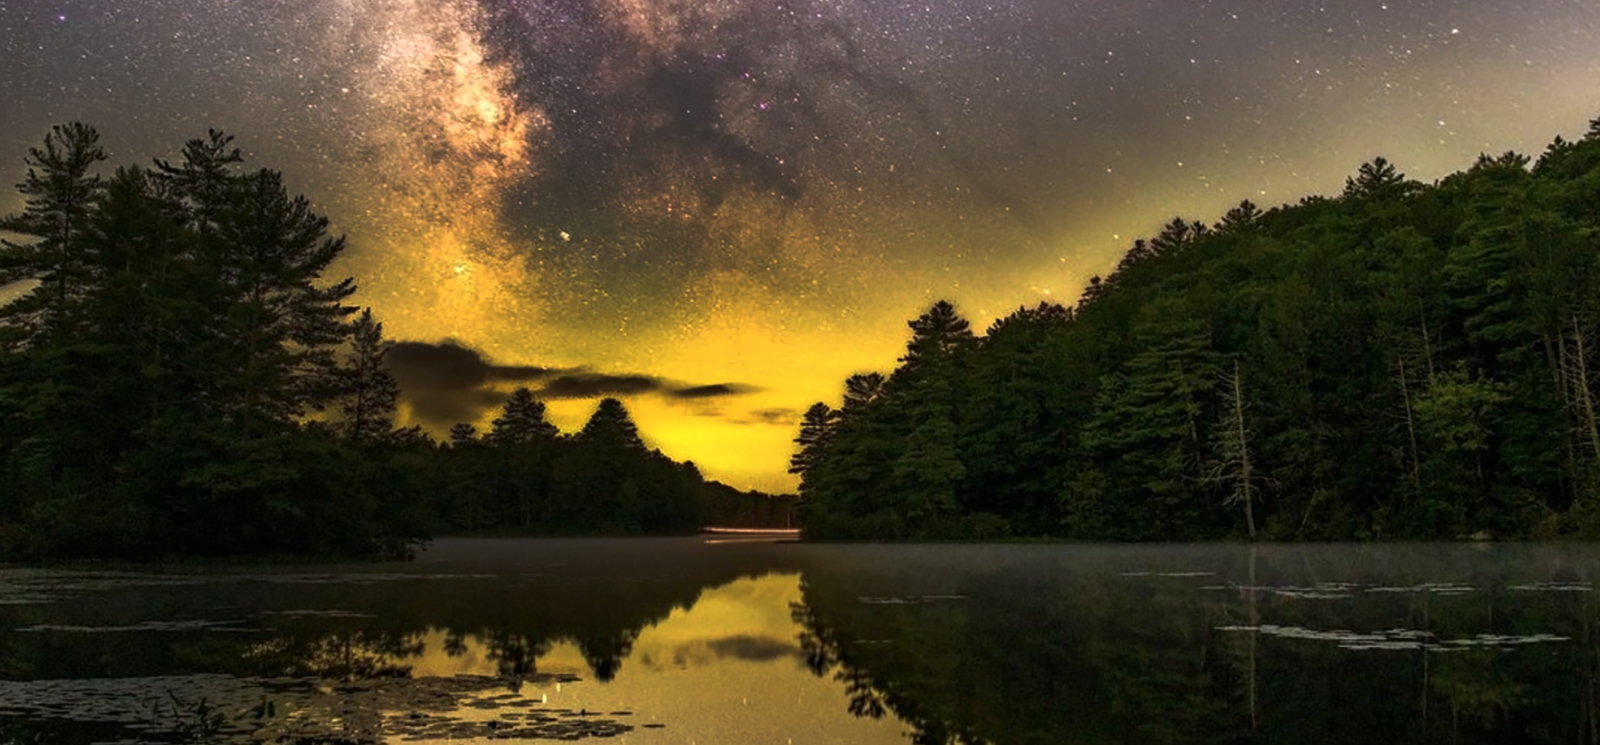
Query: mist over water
[{"x": 660, "y": 640}]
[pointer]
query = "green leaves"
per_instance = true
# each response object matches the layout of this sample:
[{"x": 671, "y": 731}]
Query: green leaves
[{"x": 1420, "y": 363}]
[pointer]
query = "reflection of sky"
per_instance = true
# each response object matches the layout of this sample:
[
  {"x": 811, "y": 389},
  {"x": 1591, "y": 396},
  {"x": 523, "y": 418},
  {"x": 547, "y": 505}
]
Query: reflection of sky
[
  {"x": 760, "y": 192},
  {"x": 725, "y": 671}
]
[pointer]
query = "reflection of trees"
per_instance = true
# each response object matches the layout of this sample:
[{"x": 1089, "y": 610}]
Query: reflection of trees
[
  {"x": 514, "y": 655},
  {"x": 604, "y": 652},
  {"x": 1027, "y": 657},
  {"x": 1061, "y": 647},
  {"x": 598, "y": 594},
  {"x": 344, "y": 652},
  {"x": 865, "y": 701},
  {"x": 360, "y": 656},
  {"x": 818, "y": 644},
  {"x": 1478, "y": 689},
  {"x": 455, "y": 643}
]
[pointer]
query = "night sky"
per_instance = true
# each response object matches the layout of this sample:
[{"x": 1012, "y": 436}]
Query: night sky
[{"x": 719, "y": 209}]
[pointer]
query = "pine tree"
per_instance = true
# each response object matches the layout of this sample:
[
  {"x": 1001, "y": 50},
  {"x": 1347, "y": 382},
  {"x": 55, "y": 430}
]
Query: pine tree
[
  {"x": 1378, "y": 179},
  {"x": 816, "y": 430},
  {"x": 938, "y": 334},
  {"x": 262, "y": 328},
  {"x": 1176, "y": 236},
  {"x": 368, "y": 391},
  {"x": 60, "y": 193},
  {"x": 860, "y": 390},
  {"x": 1146, "y": 430},
  {"x": 928, "y": 467},
  {"x": 1243, "y": 217},
  {"x": 521, "y": 420},
  {"x": 611, "y": 428},
  {"x": 463, "y": 435},
  {"x": 1487, "y": 276}
]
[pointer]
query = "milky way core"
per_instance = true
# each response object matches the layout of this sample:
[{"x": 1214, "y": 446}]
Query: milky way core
[{"x": 719, "y": 209}]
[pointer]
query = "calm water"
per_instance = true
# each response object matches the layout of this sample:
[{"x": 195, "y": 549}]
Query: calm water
[{"x": 680, "y": 641}]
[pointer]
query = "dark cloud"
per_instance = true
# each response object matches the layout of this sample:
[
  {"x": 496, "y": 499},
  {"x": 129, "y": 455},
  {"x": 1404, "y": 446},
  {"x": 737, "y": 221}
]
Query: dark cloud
[
  {"x": 594, "y": 385},
  {"x": 774, "y": 416},
  {"x": 450, "y": 366},
  {"x": 753, "y": 648},
  {"x": 712, "y": 391},
  {"x": 443, "y": 408},
  {"x": 446, "y": 383}
]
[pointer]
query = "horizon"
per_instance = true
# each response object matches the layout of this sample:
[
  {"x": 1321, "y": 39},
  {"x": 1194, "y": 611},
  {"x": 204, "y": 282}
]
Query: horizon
[{"x": 716, "y": 214}]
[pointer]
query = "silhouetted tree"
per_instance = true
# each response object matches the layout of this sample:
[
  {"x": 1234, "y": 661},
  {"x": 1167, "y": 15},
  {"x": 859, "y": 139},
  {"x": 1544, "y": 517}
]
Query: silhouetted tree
[
  {"x": 861, "y": 389},
  {"x": 59, "y": 192},
  {"x": 938, "y": 334},
  {"x": 521, "y": 420},
  {"x": 463, "y": 435},
  {"x": 368, "y": 390},
  {"x": 816, "y": 429},
  {"x": 611, "y": 427}
]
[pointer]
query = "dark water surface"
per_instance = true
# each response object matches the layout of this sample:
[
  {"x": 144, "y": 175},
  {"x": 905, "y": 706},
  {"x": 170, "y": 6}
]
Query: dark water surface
[{"x": 684, "y": 641}]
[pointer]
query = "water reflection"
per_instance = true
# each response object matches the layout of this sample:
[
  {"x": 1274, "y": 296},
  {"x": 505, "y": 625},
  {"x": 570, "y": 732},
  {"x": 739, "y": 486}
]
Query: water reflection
[
  {"x": 658, "y": 641},
  {"x": 1205, "y": 644},
  {"x": 676, "y": 641}
]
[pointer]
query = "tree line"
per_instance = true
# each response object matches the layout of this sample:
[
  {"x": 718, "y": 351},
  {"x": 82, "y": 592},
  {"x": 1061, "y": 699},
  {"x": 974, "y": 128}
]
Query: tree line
[
  {"x": 182, "y": 378},
  {"x": 1403, "y": 360}
]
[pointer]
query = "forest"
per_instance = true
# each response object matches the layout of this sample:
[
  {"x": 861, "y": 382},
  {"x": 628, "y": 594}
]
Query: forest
[
  {"x": 182, "y": 379},
  {"x": 1400, "y": 361}
]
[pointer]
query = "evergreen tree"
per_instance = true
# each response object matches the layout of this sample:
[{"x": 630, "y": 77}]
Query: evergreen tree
[
  {"x": 927, "y": 469},
  {"x": 1486, "y": 275},
  {"x": 520, "y": 421},
  {"x": 1377, "y": 179},
  {"x": 1176, "y": 236},
  {"x": 939, "y": 334},
  {"x": 816, "y": 429},
  {"x": 463, "y": 435},
  {"x": 860, "y": 390},
  {"x": 60, "y": 192},
  {"x": 368, "y": 390},
  {"x": 610, "y": 427},
  {"x": 1146, "y": 432},
  {"x": 1243, "y": 217},
  {"x": 1421, "y": 364}
]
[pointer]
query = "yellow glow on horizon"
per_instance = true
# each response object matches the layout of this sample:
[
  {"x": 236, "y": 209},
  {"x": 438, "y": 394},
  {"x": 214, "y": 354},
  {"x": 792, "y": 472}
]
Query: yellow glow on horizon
[{"x": 793, "y": 295}]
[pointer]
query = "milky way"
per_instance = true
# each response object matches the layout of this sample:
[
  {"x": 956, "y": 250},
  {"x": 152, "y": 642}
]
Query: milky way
[{"x": 747, "y": 198}]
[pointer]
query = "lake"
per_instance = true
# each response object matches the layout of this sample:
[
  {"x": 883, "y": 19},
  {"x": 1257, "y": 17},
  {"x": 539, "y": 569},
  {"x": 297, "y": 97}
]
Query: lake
[{"x": 686, "y": 640}]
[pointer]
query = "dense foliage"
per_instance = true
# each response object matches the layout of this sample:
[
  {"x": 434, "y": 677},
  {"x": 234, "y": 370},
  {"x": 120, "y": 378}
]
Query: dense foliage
[
  {"x": 1401, "y": 361},
  {"x": 180, "y": 379}
]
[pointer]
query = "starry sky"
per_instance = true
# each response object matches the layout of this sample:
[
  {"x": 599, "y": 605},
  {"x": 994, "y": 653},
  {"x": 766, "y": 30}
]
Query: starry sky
[{"x": 717, "y": 210}]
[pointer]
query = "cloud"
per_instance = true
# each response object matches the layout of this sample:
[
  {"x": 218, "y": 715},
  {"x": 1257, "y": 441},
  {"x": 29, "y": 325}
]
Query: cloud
[
  {"x": 594, "y": 385},
  {"x": 446, "y": 383},
  {"x": 774, "y": 416},
  {"x": 450, "y": 366},
  {"x": 753, "y": 648},
  {"x": 705, "y": 652},
  {"x": 444, "y": 408},
  {"x": 712, "y": 391}
]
